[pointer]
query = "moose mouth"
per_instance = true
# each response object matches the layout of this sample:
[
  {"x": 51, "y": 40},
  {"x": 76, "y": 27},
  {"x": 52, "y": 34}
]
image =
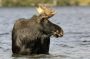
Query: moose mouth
[{"x": 58, "y": 34}]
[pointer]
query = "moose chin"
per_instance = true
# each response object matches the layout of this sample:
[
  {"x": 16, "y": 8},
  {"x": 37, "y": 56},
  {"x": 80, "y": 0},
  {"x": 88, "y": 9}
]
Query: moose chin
[{"x": 32, "y": 36}]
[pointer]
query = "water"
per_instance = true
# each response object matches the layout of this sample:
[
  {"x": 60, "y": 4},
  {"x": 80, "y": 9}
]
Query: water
[{"x": 75, "y": 22}]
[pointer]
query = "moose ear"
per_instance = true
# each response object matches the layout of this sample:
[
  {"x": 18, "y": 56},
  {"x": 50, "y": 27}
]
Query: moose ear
[{"x": 42, "y": 18}]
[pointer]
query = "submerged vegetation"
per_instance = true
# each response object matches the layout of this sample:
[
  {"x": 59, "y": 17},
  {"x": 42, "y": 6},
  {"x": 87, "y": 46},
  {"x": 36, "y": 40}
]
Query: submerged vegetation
[{"x": 24, "y": 3}]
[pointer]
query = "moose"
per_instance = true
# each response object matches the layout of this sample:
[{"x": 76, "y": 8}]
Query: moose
[{"x": 32, "y": 36}]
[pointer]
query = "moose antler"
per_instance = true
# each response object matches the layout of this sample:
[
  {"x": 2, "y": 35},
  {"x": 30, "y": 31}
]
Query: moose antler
[{"x": 45, "y": 10}]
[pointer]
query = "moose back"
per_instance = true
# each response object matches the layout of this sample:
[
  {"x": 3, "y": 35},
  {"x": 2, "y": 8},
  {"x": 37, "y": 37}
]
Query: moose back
[{"x": 32, "y": 36}]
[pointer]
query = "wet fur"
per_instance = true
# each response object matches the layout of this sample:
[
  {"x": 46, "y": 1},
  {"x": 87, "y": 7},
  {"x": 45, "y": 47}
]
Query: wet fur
[{"x": 29, "y": 36}]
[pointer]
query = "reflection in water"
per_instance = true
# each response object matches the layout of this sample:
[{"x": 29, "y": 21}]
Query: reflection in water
[
  {"x": 41, "y": 56},
  {"x": 4, "y": 34},
  {"x": 74, "y": 45}
]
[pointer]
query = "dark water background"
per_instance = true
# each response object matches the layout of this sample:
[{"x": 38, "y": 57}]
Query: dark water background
[{"x": 75, "y": 22}]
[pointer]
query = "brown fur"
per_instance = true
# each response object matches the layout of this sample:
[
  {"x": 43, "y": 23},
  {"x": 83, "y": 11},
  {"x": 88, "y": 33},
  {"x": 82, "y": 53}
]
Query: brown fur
[{"x": 32, "y": 36}]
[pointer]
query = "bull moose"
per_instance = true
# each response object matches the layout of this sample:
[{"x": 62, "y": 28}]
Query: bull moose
[{"x": 32, "y": 36}]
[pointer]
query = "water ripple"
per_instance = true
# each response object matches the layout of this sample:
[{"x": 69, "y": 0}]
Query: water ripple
[{"x": 4, "y": 34}]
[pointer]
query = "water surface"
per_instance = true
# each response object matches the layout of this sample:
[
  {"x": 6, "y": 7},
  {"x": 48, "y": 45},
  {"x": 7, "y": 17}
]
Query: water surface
[{"x": 75, "y": 22}]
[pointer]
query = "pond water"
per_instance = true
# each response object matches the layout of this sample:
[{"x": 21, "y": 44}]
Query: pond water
[{"x": 75, "y": 21}]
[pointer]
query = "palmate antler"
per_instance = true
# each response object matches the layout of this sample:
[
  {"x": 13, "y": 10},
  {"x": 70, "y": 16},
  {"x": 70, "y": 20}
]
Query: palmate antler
[{"x": 45, "y": 10}]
